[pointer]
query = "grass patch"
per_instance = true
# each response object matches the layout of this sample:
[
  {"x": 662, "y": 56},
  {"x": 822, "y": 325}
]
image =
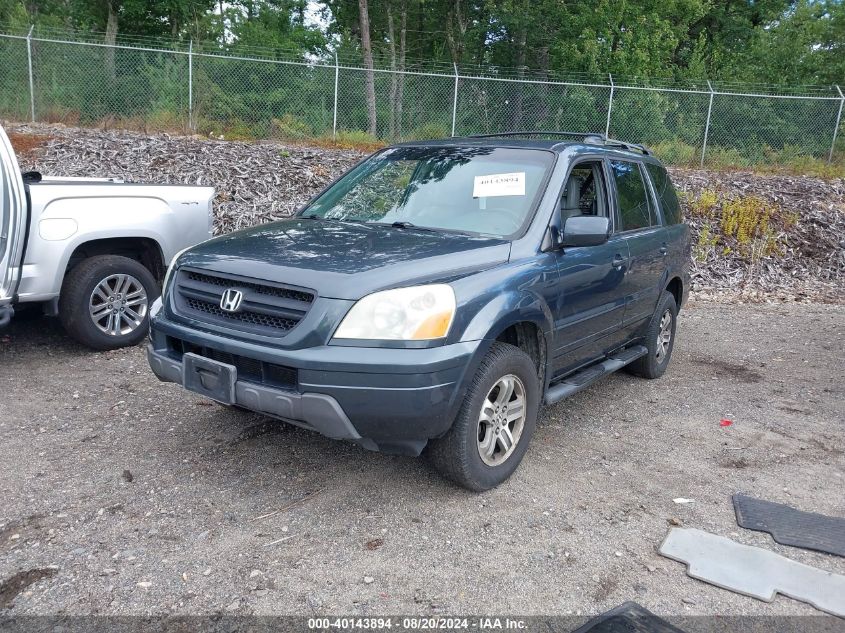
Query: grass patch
[
  {"x": 806, "y": 166},
  {"x": 789, "y": 160},
  {"x": 360, "y": 141}
]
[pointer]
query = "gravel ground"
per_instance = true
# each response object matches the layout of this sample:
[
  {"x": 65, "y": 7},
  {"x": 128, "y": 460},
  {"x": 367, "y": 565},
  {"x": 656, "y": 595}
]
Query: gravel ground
[{"x": 122, "y": 495}]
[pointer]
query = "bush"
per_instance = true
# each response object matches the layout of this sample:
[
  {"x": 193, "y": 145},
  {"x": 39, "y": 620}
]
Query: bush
[
  {"x": 725, "y": 158},
  {"x": 677, "y": 153},
  {"x": 809, "y": 166},
  {"x": 428, "y": 131},
  {"x": 705, "y": 205},
  {"x": 289, "y": 127},
  {"x": 166, "y": 121},
  {"x": 243, "y": 131},
  {"x": 748, "y": 226}
]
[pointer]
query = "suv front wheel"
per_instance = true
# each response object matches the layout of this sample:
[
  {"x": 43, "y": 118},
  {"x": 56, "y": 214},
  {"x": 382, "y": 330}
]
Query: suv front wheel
[{"x": 494, "y": 426}]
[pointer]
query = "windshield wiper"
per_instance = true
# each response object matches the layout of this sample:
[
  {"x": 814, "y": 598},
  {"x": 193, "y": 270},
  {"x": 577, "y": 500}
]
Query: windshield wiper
[
  {"x": 403, "y": 224},
  {"x": 314, "y": 216},
  {"x": 322, "y": 218}
]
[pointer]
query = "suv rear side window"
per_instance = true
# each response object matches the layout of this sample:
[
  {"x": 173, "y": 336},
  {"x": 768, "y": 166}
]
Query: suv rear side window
[
  {"x": 666, "y": 193},
  {"x": 634, "y": 209}
]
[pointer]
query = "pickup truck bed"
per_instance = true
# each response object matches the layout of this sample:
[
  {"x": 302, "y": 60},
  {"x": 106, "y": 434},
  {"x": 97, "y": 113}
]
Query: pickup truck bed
[{"x": 59, "y": 234}]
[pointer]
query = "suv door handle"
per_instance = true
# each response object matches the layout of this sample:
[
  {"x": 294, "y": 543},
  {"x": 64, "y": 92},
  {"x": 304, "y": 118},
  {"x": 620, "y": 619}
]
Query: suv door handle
[{"x": 618, "y": 261}]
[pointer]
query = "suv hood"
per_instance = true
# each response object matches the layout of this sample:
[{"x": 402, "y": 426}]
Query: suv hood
[{"x": 346, "y": 260}]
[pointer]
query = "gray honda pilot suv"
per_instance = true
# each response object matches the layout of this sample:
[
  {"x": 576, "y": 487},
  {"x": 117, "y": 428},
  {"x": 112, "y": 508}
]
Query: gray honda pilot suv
[{"x": 434, "y": 296}]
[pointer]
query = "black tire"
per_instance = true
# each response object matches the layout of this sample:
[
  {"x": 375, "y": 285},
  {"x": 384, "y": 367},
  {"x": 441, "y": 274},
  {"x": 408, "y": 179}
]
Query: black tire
[
  {"x": 77, "y": 289},
  {"x": 457, "y": 455},
  {"x": 653, "y": 364}
]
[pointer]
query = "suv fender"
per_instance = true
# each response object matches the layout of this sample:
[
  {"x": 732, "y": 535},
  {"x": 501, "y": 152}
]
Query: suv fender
[
  {"x": 507, "y": 309},
  {"x": 500, "y": 313}
]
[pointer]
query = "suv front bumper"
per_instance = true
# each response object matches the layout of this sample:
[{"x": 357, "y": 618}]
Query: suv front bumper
[{"x": 388, "y": 399}]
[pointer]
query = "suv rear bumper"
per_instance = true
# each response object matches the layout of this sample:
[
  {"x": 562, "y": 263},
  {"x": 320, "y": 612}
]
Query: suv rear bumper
[{"x": 388, "y": 399}]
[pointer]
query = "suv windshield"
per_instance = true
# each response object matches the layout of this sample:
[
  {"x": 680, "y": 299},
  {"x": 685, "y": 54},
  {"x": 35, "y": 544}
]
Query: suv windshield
[{"x": 482, "y": 190}]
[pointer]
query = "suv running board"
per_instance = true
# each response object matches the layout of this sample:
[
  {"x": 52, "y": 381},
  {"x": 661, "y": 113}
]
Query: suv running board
[{"x": 586, "y": 377}]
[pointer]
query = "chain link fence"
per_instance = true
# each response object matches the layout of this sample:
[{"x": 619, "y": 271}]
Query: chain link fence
[{"x": 148, "y": 84}]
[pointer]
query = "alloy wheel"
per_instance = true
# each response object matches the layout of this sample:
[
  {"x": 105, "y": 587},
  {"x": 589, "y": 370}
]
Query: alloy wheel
[
  {"x": 118, "y": 305},
  {"x": 501, "y": 420},
  {"x": 664, "y": 336}
]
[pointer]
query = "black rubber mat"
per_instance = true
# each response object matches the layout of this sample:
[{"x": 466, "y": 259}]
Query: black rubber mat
[
  {"x": 789, "y": 526},
  {"x": 628, "y": 617}
]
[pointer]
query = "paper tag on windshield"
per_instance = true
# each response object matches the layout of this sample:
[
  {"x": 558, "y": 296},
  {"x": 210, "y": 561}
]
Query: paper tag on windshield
[{"x": 499, "y": 185}]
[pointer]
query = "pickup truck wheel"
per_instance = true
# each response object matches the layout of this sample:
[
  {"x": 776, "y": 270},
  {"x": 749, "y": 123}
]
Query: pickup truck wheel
[
  {"x": 660, "y": 339},
  {"x": 105, "y": 300},
  {"x": 494, "y": 426}
]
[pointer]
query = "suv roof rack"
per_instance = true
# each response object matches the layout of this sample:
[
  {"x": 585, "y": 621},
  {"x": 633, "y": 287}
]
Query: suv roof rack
[
  {"x": 594, "y": 138},
  {"x": 635, "y": 147}
]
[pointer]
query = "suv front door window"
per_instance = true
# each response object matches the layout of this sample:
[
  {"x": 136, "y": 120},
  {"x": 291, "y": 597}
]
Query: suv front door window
[{"x": 584, "y": 193}]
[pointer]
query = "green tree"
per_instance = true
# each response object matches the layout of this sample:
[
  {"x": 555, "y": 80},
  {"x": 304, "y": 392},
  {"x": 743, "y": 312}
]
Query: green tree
[{"x": 805, "y": 46}]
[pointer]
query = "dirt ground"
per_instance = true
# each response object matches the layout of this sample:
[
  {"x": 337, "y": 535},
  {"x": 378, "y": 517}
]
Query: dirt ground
[{"x": 122, "y": 495}]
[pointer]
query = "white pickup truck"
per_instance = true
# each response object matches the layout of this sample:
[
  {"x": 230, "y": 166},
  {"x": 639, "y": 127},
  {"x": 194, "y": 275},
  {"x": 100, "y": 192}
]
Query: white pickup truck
[{"x": 92, "y": 250}]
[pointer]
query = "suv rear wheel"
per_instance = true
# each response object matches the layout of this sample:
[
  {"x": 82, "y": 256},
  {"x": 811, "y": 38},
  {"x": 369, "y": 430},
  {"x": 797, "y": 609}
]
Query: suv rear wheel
[
  {"x": 105, "y": 301},
  {"x": 494, "y": 426},
  {"x": 659, "y": 339}
]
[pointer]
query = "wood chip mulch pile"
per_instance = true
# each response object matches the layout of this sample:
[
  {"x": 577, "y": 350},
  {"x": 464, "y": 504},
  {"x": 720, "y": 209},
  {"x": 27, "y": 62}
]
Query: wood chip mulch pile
[
  {"x": 256, "y": 182},
  {"x": 801, "y": 256}
]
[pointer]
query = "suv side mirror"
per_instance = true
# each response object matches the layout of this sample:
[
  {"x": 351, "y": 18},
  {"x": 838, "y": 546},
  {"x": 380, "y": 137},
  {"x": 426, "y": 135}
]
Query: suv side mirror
[{"x": 585, "y": 230}]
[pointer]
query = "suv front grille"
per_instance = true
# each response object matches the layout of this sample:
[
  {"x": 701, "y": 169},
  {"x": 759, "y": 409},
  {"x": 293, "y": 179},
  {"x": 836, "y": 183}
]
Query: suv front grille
[
  {"x": 249, "y": 369},
  {"x": 252, "y": 318},
  {"x": 267, "y": 308},
  {"x": 273, "y": 291}
]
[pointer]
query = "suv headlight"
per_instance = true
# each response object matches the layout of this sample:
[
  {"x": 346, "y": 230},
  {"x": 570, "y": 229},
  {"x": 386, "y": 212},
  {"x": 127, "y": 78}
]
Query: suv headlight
[{"x": 418, "y": 313}]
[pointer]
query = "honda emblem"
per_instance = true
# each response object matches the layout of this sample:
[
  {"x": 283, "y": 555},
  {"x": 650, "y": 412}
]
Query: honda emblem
[{"x": 231, "y": 300}]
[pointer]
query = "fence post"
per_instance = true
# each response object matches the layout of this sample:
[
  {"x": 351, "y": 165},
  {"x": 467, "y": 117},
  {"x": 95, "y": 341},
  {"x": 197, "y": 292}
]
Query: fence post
[
  {"x": 609, "y": 106},
  {"x": 838, "y": 121},
  {"x": 707, "y": 125},
  {"x": 455, "y": 99},
  {"x": 31, "y": 81},
  {"x": 336, "y": 77},
  {"x": 191, "y": 85}
]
